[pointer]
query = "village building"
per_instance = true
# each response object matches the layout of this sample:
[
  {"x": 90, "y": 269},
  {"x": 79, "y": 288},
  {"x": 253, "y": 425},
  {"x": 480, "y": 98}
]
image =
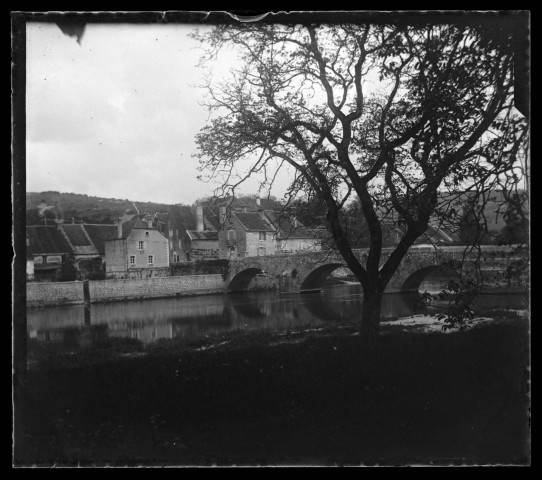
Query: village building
[
  {"x": 50, "y": 253},
  {"x": 291, "y": 235},
  {"x": 87, "y": 260},
  {"x": 246, "y": 234},
  {"x": 139, "y": 250},
  {"x": 192, "y": 234},
  {"x": 250, "y": 230}
]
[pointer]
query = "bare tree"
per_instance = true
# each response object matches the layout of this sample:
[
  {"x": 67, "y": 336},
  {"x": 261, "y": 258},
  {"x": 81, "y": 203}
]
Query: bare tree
[{"x": 397, "y": 117}]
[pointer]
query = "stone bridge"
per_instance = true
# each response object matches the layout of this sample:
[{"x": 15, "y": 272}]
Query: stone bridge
[{"x": 304, "y": 272}]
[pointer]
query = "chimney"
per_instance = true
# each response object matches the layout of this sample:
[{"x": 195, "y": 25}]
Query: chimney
[
  {"x": 119, "y": 228},
  {"x": 199, "y": 218},
  {"x": 149, "y": 223},
  {"x": 222, "y": 211}
]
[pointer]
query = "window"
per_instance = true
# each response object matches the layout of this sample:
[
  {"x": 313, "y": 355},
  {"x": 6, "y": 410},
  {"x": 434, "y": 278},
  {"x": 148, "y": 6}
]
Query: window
[
  {"x": 132, "y": 259},
  {"x": 231, "y": 234},
  {"x": 141, "y": 245},
  {"x": 262, "y": 235},
  {"x": 261, "y": 251},
  {"x": 151, "y": 259}
]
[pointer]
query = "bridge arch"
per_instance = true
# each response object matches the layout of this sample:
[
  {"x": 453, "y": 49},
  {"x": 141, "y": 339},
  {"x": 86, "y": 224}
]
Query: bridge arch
[
  {"x": 413, "y": 282},
  {"x": 315, "y": 278},
  {"x": 242, "y": 280}
]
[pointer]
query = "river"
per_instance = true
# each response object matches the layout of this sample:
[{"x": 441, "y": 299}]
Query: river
[{"x": 66, "y": 328}]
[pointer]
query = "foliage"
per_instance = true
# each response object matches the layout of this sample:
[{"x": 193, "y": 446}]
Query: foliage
[
  {"x": 516, "y": 230},
  {"x": 91, "y": 269},
  {"x": 460, "y": 298}
]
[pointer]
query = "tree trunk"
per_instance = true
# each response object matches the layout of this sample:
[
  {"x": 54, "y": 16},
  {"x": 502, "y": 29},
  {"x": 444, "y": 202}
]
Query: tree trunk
[{"x": 370, "y": 316}]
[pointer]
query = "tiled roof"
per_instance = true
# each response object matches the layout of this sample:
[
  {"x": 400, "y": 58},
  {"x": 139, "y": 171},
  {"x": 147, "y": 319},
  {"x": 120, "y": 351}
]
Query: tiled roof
[
  {"x": 99, "y": 234},
  {"x": 286, "y": 226},
  {"x": 211, "y": 223},
  {"x": 135, "y": 223},
  {"x": 187, "y": 217},
  {"x": 253, "y": 221},
  {"x": 208, "y": 235},
  {"x": 47, "y": 240},
  {"x": 76, "y": 235},
  {"x": 141, "y": 223}
]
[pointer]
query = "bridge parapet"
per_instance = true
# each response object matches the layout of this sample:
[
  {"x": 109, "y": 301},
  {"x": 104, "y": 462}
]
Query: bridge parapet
[{"x": 299, "y": 271}]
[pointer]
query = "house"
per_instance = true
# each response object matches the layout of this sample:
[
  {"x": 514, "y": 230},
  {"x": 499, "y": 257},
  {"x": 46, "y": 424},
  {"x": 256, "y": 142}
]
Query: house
[
  {"x": 246, "y": 234},
  {"x": 291, "y": 235},
  {"x": 140, "y": 249},
  {"x": 94, "y": 268},
  {"x": 248, "y": 229},
  {"x": 192, "y": 233},
  {"x": 87, "y": 260},
  {"x": 51, "y": 254}
]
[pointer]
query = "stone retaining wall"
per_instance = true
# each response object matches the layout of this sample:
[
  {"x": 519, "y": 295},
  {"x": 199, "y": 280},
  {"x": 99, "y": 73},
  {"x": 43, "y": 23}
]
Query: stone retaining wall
[
  {"x": 53, "y": 293},
  {"x": 69, "y": 293}
]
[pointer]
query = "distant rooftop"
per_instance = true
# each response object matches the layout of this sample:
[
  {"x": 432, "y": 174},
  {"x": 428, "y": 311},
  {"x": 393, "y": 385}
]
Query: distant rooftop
[{"x": 253, "y": 221}]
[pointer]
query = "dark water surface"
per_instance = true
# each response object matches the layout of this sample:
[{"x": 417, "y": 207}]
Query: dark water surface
[{"x": 191, "y": 317}]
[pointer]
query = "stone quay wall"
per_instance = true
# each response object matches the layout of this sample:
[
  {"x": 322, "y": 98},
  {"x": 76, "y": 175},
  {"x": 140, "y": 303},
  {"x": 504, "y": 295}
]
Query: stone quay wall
[
  {"x": 54, "y": 293},
  {"x": 70, "y": 293}
]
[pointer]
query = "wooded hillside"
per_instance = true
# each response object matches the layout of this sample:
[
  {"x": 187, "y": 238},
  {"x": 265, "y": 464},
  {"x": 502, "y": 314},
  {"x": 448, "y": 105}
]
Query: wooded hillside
[{"x": 51, "y": 206}]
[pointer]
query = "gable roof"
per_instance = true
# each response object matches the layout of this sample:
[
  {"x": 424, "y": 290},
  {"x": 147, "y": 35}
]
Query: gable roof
[
  {"x": 206, "y": 235},
  {"x": 253, "y": 221},
  {"x": 286, "y": 228},
  {"x": 47, "y": 240},
  {"x": 187, "y": 217},
  {"x": 135, "y": 223},
  {"x": 78, "y": 239},
  {"x": 99, "y": 234}
]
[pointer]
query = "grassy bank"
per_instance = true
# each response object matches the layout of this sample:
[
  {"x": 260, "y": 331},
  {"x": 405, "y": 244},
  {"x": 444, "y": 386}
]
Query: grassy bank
[{"x": 305, "y": 397}]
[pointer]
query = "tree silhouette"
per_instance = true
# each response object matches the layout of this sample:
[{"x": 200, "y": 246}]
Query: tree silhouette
[{"x": 404, "y": 119}]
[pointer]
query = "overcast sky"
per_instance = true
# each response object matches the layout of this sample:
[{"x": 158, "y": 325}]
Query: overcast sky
[{"x": 116, "y": 115}]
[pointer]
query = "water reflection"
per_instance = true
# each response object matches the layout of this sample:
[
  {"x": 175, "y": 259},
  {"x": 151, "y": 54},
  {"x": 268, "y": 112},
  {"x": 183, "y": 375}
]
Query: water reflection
[{"x": 72, "y": 327}]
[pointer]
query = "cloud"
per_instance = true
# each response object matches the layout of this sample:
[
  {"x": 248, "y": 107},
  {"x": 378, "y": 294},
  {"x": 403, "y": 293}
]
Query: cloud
[{"x": 115, "y": 116}]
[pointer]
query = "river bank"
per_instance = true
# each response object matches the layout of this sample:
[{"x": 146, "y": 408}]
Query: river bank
[
  {"x": 54, "y": 294},
  {"x": 293, "y": 397}
]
